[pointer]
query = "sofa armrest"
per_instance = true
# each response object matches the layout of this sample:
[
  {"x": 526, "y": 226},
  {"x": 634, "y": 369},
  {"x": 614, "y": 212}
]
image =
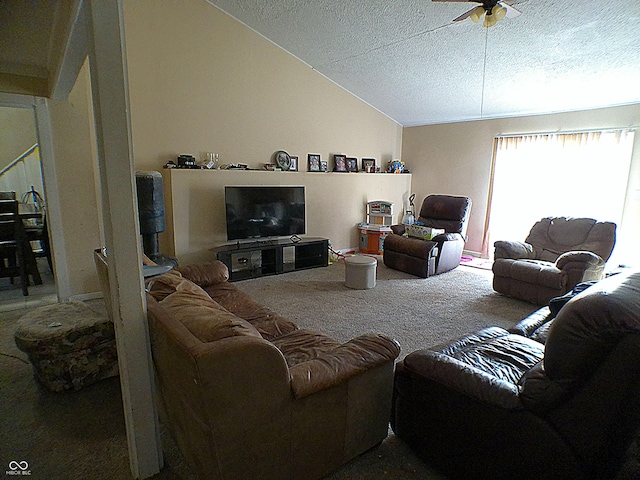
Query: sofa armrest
[
  {"x": 205, "y": 274},
  {"x": 588, "y": 259},
  {"x": 580, "y": 266},
  {"x": 513, "y": 249},
  {"x": 342, "y": 363},
  {"x": 398, "y": 229},
  {"x": 528, "y": 325},
  {"x": 462, "y": 378},
  {"x": 448, "y": 237}
]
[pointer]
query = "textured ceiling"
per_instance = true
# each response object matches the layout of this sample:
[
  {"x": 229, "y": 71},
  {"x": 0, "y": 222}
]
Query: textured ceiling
[{"x": 406, "y": 58}]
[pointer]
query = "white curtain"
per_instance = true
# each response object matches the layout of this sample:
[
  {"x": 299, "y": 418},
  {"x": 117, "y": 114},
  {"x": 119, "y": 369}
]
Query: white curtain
[{"x": 573, "y": 175}]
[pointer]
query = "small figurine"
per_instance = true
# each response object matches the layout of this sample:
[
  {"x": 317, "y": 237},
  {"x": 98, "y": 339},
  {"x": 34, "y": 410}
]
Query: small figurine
[{"x": 395, "y": 166}]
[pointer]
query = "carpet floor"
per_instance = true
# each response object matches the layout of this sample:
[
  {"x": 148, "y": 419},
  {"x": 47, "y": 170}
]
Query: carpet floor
[{"x": 81, "y": 434}]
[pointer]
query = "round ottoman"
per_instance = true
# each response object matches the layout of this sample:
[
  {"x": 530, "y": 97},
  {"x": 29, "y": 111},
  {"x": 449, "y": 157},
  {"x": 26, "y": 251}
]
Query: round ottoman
[
  {"x": 69, "y": 345},
  {"x": 360, "y": 272}
]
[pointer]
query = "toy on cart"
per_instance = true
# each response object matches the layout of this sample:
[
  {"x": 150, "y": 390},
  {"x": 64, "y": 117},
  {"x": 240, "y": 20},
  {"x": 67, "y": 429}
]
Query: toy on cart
[
  {"x": 380, "y": 212},
  {"x": 376, "y": 227},
  {"x": 422, "y": 232}
]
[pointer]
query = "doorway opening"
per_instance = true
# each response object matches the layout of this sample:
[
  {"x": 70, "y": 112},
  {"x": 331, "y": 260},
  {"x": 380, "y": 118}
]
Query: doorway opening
[{"x": 21, "y": 177}]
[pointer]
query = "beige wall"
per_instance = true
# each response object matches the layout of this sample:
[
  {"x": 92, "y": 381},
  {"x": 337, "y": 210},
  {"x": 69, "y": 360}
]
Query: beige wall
[
  {"x": 198, "y": 216},
  {"x": 75, "y": 170},
  {"x": 456, "y": 158},
  {"x": 200, "y": 81},
  {"x": 17, "y": 133}
]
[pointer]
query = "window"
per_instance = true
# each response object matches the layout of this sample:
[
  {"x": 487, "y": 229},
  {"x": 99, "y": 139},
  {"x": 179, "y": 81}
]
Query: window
[{"x": 573, "y": 175}]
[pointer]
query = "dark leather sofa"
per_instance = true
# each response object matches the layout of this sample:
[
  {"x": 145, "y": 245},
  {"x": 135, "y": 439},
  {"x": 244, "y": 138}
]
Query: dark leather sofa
[{"x": 499, "y": 405}]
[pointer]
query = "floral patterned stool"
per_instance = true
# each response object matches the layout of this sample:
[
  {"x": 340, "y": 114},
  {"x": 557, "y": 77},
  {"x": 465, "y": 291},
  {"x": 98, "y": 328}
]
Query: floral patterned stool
[{"x": 69, "y": 345}]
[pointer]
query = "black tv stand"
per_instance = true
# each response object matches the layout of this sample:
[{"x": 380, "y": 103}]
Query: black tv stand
[{"x": 256, "y": 259}]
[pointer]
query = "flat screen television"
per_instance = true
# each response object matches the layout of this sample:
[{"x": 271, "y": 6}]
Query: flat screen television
[{"x": 255, "y": 212}]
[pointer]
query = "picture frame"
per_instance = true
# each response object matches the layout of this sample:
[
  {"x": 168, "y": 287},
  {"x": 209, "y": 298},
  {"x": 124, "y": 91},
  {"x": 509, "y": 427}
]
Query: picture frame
[
  {"x": 293, "y": 167},
  {"x": 340, "y": 163},
  {"x": 324, "y": 166},
  {"x": 369, "y": 165},
  {"x": 352, "y": 164},
  {"x": 314, "y": 162}
]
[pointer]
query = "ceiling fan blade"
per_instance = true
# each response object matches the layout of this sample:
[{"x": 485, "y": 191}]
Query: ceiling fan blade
[
  {"x": 512, "y": 12},
  {"x": 462, "y": 17}
]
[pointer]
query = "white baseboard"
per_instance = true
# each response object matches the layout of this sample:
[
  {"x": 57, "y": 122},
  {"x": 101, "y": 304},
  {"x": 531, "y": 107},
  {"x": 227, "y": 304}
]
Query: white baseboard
[
  {"x": 86, "y": 296},
  {"x": 347, "y": 251}
]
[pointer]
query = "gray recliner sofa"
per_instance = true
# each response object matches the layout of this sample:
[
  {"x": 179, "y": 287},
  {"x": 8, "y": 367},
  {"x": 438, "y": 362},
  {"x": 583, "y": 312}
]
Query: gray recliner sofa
[{"x": 558, "y": 253}]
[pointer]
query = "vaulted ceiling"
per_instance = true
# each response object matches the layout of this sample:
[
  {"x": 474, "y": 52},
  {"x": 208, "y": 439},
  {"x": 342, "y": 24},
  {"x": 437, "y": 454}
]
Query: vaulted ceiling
[
  {"x": 407, "y": 59},
  {"x": 404, "y": 57}
]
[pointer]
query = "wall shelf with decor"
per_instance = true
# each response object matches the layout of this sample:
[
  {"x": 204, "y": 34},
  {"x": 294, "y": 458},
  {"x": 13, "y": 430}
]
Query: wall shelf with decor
[
  {"x": 195, "y": 205},
  {"x": 272, "y": 257}
]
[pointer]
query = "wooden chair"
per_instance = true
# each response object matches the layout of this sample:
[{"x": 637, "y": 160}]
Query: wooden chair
[
  {"x": 12, "y": 245},
  {"x": 39, "y": 235}
]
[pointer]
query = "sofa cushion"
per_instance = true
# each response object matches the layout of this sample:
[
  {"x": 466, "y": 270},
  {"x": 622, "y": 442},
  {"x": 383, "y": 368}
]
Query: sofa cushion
[
  {"x": 554, "y": 236},
  {"x": 267, "y": 322},
  {"x": 536, "y": 272},
  {"x": 203, "y": 317},
  {"x": 496, "y": 352}
]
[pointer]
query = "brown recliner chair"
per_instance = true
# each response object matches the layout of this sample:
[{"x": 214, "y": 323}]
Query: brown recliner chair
[
  {"x": 558, "y": 253},
  {"x": 499, "y": 406},
  {"x": 425, "y": 258}
]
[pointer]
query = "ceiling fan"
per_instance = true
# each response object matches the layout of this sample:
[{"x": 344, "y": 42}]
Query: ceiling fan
[{"x": 492, "y": 10}]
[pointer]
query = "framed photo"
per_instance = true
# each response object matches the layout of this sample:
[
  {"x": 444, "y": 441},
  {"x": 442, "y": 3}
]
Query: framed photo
[
  {"x": 340, "y": 162},
  {"x": 369, "y": 165},
  {"x": 314, "y": 162},
  {"x": 324, "y": 166},
  {"x": 293, "y": 167},
  {"x": 352, "y": 164}
]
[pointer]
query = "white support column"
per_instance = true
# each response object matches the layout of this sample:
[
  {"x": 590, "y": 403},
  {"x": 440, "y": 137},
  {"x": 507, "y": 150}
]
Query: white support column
[{"x": 115, "y": 156}]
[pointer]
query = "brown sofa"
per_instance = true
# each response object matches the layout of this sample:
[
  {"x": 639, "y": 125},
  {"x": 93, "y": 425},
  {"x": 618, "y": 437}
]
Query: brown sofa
[
  {"x": 558, "y": 253},
  {"x": 249, "y": 395}
]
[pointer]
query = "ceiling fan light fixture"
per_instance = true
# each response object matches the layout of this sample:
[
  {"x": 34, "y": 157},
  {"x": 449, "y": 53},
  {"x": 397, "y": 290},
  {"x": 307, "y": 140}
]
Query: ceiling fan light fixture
[
  {"x": 489, "y": 21},
  {"x": 476, "y": 14},
  {"x": 499, "y": 12}
]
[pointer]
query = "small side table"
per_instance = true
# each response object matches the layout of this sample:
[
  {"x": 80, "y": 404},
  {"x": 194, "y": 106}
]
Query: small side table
[{"x": 360, "y": 272}]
